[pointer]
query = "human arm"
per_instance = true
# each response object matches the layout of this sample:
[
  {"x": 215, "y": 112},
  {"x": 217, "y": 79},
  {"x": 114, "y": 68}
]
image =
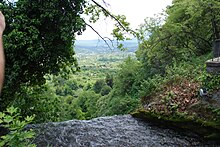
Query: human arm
[{"x": 2, "y": 56}]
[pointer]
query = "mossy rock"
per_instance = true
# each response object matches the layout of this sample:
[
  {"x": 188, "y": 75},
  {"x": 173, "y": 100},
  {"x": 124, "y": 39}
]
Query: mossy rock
[{"x": 208, "y": 130}]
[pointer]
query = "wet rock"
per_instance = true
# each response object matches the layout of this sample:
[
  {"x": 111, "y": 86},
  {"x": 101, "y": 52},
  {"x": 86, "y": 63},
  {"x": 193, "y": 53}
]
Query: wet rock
[
  {"x": 112, "y": 131},
  {"x": 215, "y": 101},
  {"x": 213, "y": 66}
]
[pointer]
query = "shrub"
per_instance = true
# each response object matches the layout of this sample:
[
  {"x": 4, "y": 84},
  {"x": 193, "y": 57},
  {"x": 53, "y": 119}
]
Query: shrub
[
  {"x": 106, "y": 90},
  {"x": 127, "y": 79},
  {"x": 150, "y": 85},
  {"x": 211, "y": 82},
  {"x": 114, "y": 105},
  {"x": 41, "y": 101},
  {"x": 99, "y": 84},
  {"x": 17, "y": 136}
]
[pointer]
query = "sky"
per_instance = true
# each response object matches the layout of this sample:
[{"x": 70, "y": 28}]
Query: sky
[{"x": 135, "y": 12}]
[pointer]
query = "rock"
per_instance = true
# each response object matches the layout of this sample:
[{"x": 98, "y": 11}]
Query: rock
[
  {"x": 215, "y": 100},
  {"x": 213, "y": 66},
  {"x": 109, "y": 132}
]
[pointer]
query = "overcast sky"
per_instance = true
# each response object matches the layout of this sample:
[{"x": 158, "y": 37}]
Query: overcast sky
[{"x": 134, "y": 10}]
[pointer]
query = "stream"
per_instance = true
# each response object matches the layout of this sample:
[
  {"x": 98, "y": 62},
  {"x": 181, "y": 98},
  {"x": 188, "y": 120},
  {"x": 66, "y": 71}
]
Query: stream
[{"x": 114, "y": 131}]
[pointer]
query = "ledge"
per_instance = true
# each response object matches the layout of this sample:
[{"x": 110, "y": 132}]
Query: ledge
[
  {"x": 213, "y": 65},
  {"x": 206, "y": 130}
]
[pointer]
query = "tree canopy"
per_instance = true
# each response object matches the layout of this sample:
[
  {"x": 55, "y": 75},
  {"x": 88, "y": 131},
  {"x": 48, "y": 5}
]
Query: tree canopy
[
  {"x": 189, "y": 29},
  {"x": 38, "y": 40}
]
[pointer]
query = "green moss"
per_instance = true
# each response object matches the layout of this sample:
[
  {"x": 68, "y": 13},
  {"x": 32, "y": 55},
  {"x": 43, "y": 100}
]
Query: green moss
[{"x": 206, "y": 129}]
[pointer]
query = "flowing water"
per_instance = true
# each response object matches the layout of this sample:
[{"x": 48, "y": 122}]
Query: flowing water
[{"x": 114, "y": 131}]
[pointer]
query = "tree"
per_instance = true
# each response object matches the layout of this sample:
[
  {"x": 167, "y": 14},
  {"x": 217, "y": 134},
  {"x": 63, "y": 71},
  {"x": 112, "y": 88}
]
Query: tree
[
  {"x": 39, "y": 39},
  {"x": 186, "y": 31},
  {"x": 109, "y": 80},
  {"x": 127, "y": 79},
  {"x": 99, "y": 84},
  {"x": 115, "y": 105},
  {"x": 193, "y": 19},
  {"x": 105, "y": 90},
  {"x": 87, "y": 103}
]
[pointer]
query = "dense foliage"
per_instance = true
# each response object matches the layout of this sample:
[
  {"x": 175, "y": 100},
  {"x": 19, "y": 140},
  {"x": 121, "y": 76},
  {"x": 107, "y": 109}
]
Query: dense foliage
[
  {"x": 189, "y": 30},
  {"x": 164, "y": 77},
  {"x": 165, "y": 46},
  {"x": 11, "y": 120},
  {"x": 173, "y": 55},
  {"x": 38, "y": 40}
]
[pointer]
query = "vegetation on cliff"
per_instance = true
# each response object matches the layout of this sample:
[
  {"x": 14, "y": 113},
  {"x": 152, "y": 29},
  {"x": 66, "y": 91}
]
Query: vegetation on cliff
[
  {"x": 174, "y": 58},
  {"x": 161, "y": 83}
]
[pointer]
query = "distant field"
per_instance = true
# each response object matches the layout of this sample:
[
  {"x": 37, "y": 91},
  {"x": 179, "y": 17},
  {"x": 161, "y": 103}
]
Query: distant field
[{"x": 96, "y": 60}]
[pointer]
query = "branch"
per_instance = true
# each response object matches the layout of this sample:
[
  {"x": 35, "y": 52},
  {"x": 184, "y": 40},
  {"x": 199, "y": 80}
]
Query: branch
[
  {"x": 103, "y": 38},
  {"x": 110, "y": 41},
  {"x": 194, "y": 35},
  {"x": 112, "y": 16},
  {"x": 160, "y": 40},
  {"x": 106, "y": 4}
]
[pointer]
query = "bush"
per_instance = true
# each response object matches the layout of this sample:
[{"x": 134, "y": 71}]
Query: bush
[
  {"x": 122, "y": 105},
  {"x": 41, "y": 101},
  {"x": 150, "y": 85},
  {"x": 85, "y": 105},
  {"x": 109, "y": 80},
  {"x": 114, "y": 105},
  {"x": 127, "y": 80},
  {"x": 17, "y": 136},
  {"x": 106, "y": 90},
  {"x": 99, "y": 84},
  {"x": 211, "y": 82}
]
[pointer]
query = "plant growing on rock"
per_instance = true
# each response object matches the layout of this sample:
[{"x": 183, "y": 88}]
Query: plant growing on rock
[{"x": 17, "y": 136}]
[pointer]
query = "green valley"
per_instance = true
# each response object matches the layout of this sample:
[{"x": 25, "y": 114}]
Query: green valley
[
  {"x": 96, "y": 59},
  {"x": 161, "y": 77}
]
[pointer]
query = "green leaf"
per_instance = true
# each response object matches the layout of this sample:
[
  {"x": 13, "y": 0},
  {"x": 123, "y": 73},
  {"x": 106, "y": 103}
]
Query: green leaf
[
  {"x": 4, "y": 137},
  {"x": 8, "y": 119},
  {"x": 29, "y": 118},
  {"x": 2, "y": 143},
  {"x": 11, "y": 110},
  {"x": 1, "y": 115},
  {"x": 29, "y": 135}
]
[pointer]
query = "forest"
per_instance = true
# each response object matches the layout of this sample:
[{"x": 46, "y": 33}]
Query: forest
[{"x": 51, "y": 77}]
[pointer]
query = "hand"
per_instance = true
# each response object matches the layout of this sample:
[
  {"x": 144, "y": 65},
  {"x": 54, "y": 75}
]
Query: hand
[{"x": 2, "y": 23}]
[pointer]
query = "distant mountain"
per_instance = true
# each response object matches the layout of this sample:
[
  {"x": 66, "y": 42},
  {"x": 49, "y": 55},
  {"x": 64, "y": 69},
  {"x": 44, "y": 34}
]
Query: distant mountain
[{"x": 101, "y": 46}]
